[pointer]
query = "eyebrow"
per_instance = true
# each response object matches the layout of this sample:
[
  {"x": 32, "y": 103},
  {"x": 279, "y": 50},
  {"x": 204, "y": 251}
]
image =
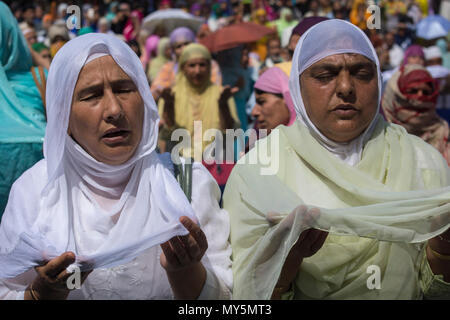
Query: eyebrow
[
  {"x": 336, "y": 68},
  {"x": 99, "y": 87}
]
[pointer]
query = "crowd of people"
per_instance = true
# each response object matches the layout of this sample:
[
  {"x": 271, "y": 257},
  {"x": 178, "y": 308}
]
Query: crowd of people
[{"x": 354, "y": 118}]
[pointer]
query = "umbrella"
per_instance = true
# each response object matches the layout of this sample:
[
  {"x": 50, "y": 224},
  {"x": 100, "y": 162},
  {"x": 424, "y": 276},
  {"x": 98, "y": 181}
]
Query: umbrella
[
  {"x": 232, "y": 36},
  {"x": 432, "y": 27},
  {"x": 172, "y": 19}
]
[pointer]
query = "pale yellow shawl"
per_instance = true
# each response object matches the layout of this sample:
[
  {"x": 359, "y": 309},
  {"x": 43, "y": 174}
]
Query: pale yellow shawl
[
  {"x": 197, "y": 104},
  {"x": 379, "y": 212}
]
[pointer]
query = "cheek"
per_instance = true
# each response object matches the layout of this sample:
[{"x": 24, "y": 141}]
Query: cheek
[
  {"x": 320, "y": 97},
  {"x": 82, "y": 121},
  {"x": 369, "y": 99},
  {"x": 136, "y": 112},
  {"x": 270, "y": 112}
]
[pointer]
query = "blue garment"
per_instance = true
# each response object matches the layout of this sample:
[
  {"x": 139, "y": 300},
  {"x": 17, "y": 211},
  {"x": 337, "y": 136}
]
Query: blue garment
[
  {"x": 232, "y": 70},
  {"x": 21, "y": 108}
]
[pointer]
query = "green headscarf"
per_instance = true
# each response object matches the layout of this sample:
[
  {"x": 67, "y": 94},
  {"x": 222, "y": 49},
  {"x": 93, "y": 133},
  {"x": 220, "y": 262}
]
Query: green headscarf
[
  {"x": 160, "y": 59},
  {"x": 39, "y": 46}
]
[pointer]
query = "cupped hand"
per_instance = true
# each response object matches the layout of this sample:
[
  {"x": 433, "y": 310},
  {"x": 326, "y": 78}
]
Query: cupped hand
[{"x": 183, "y": 252}]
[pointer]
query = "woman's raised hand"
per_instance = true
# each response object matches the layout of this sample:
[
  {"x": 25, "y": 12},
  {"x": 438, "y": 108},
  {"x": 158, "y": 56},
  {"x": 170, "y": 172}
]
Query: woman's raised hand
[
  {"x": 226, "y": 94},
  {"x": 51, "y": 282},
  {"x": 181, "y": 259}
]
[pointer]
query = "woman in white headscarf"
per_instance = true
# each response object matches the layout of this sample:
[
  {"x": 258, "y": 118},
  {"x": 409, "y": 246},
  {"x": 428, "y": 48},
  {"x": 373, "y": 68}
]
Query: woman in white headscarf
[
  {"x": 103, "y": 202},
  {"x": 345, "y": 205}
]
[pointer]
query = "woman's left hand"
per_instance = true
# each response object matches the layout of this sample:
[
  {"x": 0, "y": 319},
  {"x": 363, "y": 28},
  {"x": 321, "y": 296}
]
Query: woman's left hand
[{"x": 183, "y": 252}]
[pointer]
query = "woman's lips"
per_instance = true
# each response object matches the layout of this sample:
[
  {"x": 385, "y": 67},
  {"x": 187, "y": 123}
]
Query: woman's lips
[
  {"x": 115, "y": 136},
  {"x": 345, "y": 111}
]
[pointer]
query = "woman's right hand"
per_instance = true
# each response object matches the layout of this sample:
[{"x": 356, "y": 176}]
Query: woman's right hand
[
  {"x": 308, "y": 243},
  {"x": 51, "y": 281}
]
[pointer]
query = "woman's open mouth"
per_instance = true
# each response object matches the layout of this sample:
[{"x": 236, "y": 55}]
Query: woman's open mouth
[{"x": 115, "y": 136}]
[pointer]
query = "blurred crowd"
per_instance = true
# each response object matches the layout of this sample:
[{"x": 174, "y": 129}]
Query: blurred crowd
[{"x": 226, "y": 89}]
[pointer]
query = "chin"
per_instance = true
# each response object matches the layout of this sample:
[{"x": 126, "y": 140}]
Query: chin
[{"x": 117, "y": 156}]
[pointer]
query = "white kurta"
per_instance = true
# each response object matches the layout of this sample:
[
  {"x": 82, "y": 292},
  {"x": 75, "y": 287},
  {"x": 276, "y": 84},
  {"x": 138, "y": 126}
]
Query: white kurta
[{"x": 143, "y": 277}]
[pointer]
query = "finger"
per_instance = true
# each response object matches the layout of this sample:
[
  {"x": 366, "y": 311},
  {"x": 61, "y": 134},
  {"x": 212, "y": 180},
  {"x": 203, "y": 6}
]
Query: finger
[
  {"x": 63, "y": 276},
  {"x": 55, "y": 266},
  {"x": 235, "y": 90},
  {"x": 180, "y": 251},
  {"x": 304, "y": 235},
  {"x": 319, "y": 242},
  {"x": 191, "y": 247},
  {"x": 169, "y": 254},
  {"x": 312, "y": 237},
  {"x": 196, "y": 232},
  {"x": 84, "y": 275}
]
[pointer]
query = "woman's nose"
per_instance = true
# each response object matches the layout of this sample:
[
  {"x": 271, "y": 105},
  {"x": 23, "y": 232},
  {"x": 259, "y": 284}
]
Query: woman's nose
[
  {"x": 256, "y": 111},
  {"x": 113, "y": 107},
  {"x": 344, "y": 87}
]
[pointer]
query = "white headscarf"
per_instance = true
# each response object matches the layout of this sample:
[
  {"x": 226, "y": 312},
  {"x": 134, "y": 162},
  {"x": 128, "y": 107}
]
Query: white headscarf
[
  {"x": 322, "y": 40},
  {"x": 146, "y": 199}
]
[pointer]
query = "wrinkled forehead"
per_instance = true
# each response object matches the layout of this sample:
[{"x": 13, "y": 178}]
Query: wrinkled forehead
[
  {"x": 330, "y": 38},
  {"x": 341, "y": 60},
  {"x": 95, "y": 69}
]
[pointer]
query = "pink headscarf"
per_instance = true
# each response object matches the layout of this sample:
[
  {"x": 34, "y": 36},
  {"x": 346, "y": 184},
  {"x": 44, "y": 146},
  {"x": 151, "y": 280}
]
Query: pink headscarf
[
  {"x": 151, "y": 46},
  {"x": 274, "y": 80}
]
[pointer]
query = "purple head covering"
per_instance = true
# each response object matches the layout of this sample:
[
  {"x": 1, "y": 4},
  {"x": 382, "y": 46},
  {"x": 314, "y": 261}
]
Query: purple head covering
[
  {"x": 413, "y": 51},
  {"x": 274, "y": 80},
  {"x": 182, "y": 34},
  {"x": 196, "y": 7},
  {"x": 307, "y": 23},
  {"x": 151, "y": 45}
]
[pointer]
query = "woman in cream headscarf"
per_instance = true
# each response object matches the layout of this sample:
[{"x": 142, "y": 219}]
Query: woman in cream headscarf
[
  {"x": 103, "y": 200},
  {"x": 166, "y": 77},
  {"x": 195, "y": 98},
  {"x": 344, "y": 204}
]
